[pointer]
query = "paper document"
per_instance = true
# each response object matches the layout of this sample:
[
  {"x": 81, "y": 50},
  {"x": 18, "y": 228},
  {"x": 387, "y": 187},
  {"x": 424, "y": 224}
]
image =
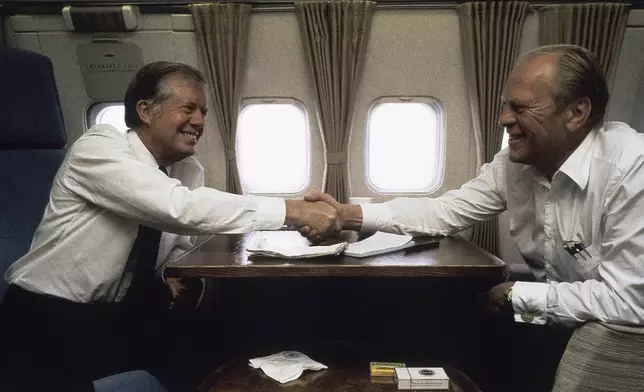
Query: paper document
[
  {"x": 285, "y": 366},
  {"x": 379, "y": 243},
  {"x": 265, "y": 247}
]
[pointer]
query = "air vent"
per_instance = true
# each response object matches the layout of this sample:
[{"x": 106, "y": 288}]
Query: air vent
[{"x": 101, "y": 19}]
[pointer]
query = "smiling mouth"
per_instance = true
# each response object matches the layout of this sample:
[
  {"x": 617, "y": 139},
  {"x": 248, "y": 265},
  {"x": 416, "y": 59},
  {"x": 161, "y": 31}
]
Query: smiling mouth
[{"x": 192, "y": 136}]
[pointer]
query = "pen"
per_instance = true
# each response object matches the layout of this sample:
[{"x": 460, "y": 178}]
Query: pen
[
  {"x": 571, "y": 248},
  {"x": 582, "y": 250},
  {"x": 577, "y": 250}
]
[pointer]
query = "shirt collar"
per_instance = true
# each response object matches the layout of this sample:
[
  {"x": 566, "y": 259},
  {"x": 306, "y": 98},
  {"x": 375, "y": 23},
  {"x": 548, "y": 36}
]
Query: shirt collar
[
  {"x": 577, "y": 166},
  {"x": 139, "y": 149}
]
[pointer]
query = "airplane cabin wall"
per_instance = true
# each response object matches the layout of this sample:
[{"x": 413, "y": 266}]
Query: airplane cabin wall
[
  {"x": 627, "y": 95},
  {"x": 416, "y": 53},
  {"x": 423, "y": 65},
  {"x": 162, "y": 37},
  {"x": 410, "y": 52}
]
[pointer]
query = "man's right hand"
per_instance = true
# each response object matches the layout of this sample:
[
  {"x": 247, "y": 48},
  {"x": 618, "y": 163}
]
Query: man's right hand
[
  {"x": 350, "y": 215},
  {"x": 321, "y": 219}
]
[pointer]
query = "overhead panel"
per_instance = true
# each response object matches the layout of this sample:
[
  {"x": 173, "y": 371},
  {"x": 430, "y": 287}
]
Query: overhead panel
[{"x": 107, "y": 67}]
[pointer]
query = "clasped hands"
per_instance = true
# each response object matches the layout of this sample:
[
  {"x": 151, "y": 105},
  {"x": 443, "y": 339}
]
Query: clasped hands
[{"x": 318, "y": 217}]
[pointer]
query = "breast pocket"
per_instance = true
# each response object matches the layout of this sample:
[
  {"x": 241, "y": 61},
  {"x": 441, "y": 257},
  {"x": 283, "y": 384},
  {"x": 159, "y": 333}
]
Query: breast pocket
[{"x": 588, "y": 262}]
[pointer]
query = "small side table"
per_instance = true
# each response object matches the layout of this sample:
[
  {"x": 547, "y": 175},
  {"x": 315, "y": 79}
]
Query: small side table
[{"x": 237, "y": 376}]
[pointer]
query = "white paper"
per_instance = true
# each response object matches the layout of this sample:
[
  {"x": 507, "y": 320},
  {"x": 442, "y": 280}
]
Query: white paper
[
  {"x": 378, "y": 243},
  {"x": 263, "y": 246},
  {"x": 285, "y": 366}
]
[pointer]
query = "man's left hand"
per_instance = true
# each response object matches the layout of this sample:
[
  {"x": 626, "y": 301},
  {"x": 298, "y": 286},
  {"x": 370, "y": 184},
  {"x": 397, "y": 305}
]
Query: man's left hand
[
  {"x": 186, "y": 292},
  {"x": 497, "y": 298},
  {"x": 176, "y": 286}
]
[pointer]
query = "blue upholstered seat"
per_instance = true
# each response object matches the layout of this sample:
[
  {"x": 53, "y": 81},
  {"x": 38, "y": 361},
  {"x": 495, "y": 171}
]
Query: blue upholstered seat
[
  {"x": 133, "y": 381},
  {"x": 32, "y": 147}
]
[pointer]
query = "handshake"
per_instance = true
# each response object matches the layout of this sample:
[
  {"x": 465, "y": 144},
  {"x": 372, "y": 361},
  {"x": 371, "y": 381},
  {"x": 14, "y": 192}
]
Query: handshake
[{"x": 319, "y": 216}]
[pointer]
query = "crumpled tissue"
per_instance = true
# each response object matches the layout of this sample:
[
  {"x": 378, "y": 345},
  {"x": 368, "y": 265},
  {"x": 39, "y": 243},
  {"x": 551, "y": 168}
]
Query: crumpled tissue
[{"x": 285, "y": 366}]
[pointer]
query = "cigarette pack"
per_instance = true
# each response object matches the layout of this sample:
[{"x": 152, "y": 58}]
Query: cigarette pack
[
  {"x": 427, "y": 378},
  {"x": 384, "y": 369},
  {"x": 403, "y": 378}
]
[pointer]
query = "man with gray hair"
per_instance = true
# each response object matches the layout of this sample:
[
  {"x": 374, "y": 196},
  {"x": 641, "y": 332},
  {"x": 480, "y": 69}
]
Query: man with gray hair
[
  {"x": 81, "y": 303},
  {"x": 574, "y": 187}
]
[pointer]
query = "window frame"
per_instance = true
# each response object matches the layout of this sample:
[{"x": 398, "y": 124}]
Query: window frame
[
  {"x": 250, "y": 101},
  {"x": 439, "y": 109},
  {"x": 96, "y": 107}
]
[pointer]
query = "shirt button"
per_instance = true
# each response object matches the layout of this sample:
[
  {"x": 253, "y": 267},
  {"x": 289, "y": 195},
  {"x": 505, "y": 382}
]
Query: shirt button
[{"x": 527, "y": 317}]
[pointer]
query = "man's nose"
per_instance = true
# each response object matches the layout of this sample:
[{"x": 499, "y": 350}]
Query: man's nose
[
  {"x": 197, "y": 118},
  {"x": 506, "y": 117}
]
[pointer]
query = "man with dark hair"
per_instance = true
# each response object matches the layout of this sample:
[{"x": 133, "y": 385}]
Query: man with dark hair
[
  {"x": 82, "y": 303},
  {"x": 151, "y": 82},
  {"x": 574, "y": 186}
]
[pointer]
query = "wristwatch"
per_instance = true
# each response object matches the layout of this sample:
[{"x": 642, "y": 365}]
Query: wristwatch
[{"x": 509, "y": 297}]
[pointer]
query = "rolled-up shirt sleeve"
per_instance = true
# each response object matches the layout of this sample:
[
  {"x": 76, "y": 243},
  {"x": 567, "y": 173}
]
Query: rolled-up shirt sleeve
[
  {"x": 376, "y": 217},
  {"x": 107, "y": 174},
  {"x": 477, "y": 200},
  {"x": 529, "y": 301}
]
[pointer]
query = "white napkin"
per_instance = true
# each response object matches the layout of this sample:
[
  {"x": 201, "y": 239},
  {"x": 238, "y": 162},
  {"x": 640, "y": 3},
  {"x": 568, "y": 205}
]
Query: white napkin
[
  {"x": 285, "y": 366},
  {"x": 263, "y": 246}
]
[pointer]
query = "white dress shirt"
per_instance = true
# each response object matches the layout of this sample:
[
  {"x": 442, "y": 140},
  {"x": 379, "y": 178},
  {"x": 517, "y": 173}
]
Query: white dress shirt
[
  {"x": 108, "y": 184},
  {"x": 596, "y": 197}
]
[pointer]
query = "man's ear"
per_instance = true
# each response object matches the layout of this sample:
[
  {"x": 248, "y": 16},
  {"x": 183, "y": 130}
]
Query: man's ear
[
  {"x": 144, "y": 110},
  {"x": 578, "y": 114}
]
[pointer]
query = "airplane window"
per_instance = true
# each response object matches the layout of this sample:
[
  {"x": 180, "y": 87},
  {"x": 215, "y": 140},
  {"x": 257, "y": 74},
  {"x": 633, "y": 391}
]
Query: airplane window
[
  {"x": 405, "y": 145},
  {"x": 108, "y": 113},
  {"x": 273, "y": 147}
]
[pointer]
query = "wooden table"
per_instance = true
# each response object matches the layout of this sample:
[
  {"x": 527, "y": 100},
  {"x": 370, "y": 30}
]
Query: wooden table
[
  {"x": 348, "y": 371},
  {"x": 226, "y": 256}
]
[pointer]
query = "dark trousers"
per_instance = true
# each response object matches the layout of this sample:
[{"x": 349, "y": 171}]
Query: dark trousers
[
  {"x": 523, "y": 357},
  {"x": 51, "y": 343}
]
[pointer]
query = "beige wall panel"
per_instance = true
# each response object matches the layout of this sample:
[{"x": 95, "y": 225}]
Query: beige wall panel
[
  {"x": 60, "y": 47},
  {"x": 26, "y": 23},
  {"x": 416, "y": 52},
  {"x": 27, "y": 41},
  {"x": 277, "y": 68},
  {"x": 628, "y": 86}
]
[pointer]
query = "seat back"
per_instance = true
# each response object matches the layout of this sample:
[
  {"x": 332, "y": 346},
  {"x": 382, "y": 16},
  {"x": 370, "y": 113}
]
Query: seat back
[
  {"x": 601, "y": 357},
  {"x": 32, "y": 147}
]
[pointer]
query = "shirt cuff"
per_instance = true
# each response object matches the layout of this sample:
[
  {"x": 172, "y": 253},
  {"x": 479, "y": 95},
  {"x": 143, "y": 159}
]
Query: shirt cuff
[
  {"x": 529, "y": 300},
  {"x": 376, "y": 216},
  {"x": 271, "y": 213}
]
